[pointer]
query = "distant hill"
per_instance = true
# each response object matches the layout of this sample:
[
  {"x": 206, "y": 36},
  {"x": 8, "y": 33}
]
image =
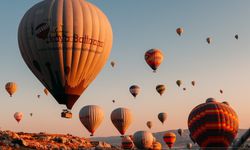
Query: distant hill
[{"x": 180, "y": 143}]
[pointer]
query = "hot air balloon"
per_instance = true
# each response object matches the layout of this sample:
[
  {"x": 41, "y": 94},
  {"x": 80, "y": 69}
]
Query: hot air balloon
[
  {"x": 226, "y": 103},
  {"x": 91, "y": 117},
  {"x": 18, "y": 116},
  {"x": 162, "y": 117},
  {"x": 221, "y": 91},
  {"x": 156, "y": 146},
  {"x": 113, "y": 101},
  {"x": 179, "y": 82},
  {"x": 236, "y": 36},
  {"x": 209, "y": 40},
  {"x": 184, "y": 89},
  {"x": 154, "y": 58},
  {"x": 11, "y": 88},
  {"x": 46, "y": 91},
  {"x": 179, "y": 31},
  {"x": 213, "y": 124},
  {"x": 66, "y": 47},
  {"x": 38, "y": 96},
  {"x": 193, "y": 83},
  {"x": 143, "y": 139},
  {"x": 112, "y": 64},
  {"x": 127, "y": 143},
  {"x": 169, "y": 138},
  {"x": 121, "y": 119},
  {"x": 149, "y": 124},
  {"x": 134, "y": 90},
  {"x": 31, "y": 114},
  {"x": 180, "y": 131},
  {"x": 189, "y": 145},
  {"x": 160, "y": 89}
]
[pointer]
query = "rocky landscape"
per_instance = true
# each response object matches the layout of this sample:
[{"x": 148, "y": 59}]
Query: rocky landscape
[{"x": 28, "y": 141}]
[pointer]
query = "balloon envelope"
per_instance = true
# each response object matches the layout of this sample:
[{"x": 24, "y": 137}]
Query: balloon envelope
[
  {"x": 143, "y": 139},
  {"x": 179, "y": 31},
  {"x": 91, "y": 117},
  {"x": 169, "y": 138},
  {"x": 160, "y": 88},
  {"x": 121, "y": 119},
  {"x": 149, "y": 124},
  {"x": 11, "y": 88},
  {"x": 179, "y": 82},
  {"x": 162, "y": 117},
  {"x": 154, "y": 58},
  {"x": 213, "y": 124},
  {"x": 134, "y": 90},
  {"x": 65, "y": 43},
  {"x": 18, "y": 116}
]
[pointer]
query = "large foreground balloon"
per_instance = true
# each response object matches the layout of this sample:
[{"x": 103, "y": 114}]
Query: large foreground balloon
[
  {"x": 134, "y": 90},
  {"x": 162, "y": 117},
  {"x": 65, "y": 43},
  {"x": 122, "y": 119},
  {"x": 18, "y": 116},
  {"x": 169, "y": 138},
  {"x": 154, "y": 58},
  {"x": 160, "y": 89},
  {"x": 91, "y": 117},
  {"x": 179, "y": 31},
  {"x": 213, "y": 124},
  {"x": 11, "y": 88},
  {"x": 143, "y": 139},
  {"x": 127, "y": 143}
]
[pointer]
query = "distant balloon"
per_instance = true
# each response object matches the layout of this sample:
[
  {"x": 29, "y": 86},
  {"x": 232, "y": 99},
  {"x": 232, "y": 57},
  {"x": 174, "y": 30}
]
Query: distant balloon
[
  {"x": 31, "y": 114},
  {"x": 91, "y": 117},
  {"x": 46, "y": 91},
  {"x": 127, "y": 143},
  {"x": 65, "y": 43},
  {"x": 149, "y": 124},
  {"x": 18, "y": 116},
  {"x": 179, "y": 82},
  {"x": 38, "y": 96},
  {"x": 143, "y": 139},
  {"x": 226, "y": 103},
  {"x": 169, "y": 138},
  {"x": 189, "y": 145},
  {"x": 193, "y": 83},
  {"x": 112, "y": 64},
  {"x": 162, "y": 117},
  {"x": 134, "y": 90},
  {"x": 154, "y": 58},
  {"x": 113, "y": 101},
  {"x": 156, "y": 146},
  {"x": 121, "y": 119},
  {"x": 213, "y": 124},
  {"x": 11, "y": 88},
  {"x": 160, "y": 89},
  {"x": 180, "y": 131},
  {"x": 179, "y": 31},
  {"x": 236, "y": 36},
  {"x": 209, "y": 40},
  {"x": 221, "y": 91},
  {"x": 184, "y": 89}
]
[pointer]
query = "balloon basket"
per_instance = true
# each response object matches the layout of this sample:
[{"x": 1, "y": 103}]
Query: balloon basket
[{"x": 66, "y": 114}]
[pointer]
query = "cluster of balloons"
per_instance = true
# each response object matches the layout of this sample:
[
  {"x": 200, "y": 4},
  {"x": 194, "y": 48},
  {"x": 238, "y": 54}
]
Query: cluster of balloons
[{"x": 67, "y": 53}]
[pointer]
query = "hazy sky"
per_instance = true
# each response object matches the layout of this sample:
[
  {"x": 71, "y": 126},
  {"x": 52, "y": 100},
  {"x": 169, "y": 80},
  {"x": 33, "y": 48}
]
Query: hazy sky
[{"x": 139, "y": 25}]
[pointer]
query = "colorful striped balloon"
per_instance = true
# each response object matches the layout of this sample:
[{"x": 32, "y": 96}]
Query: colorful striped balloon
[
  {"x": 169, "y": 138},
  {"x": 213, "y": 124},
  {"x": 154, "y": 58}
]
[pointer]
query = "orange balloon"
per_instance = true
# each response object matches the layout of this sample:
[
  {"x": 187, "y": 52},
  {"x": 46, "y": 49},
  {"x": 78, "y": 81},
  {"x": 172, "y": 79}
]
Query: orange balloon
[{"x": 154, "y": 58}]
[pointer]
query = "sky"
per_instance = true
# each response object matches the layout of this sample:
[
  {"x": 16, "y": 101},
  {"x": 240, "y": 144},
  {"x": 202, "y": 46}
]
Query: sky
[{"x": 137, "y": 27}]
